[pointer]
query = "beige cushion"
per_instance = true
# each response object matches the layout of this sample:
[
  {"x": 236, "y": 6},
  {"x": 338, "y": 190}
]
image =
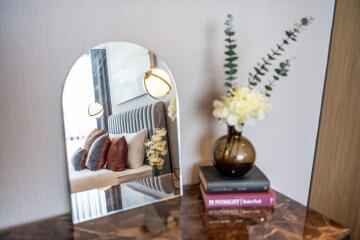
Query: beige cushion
[{"x": 136, "y": 148}]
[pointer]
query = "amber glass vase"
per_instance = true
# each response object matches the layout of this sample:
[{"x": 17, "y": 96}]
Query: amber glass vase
[{"x": 233, "y": 154}]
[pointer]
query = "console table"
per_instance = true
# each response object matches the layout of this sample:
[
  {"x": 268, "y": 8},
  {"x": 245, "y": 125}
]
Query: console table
[{"x": 186, "y": 218}]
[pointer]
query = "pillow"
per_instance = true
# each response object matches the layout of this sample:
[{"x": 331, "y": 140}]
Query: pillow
[
  {"x": 104, "y": 153},
  {"x": 93, "y": 135},
  {"x": 136, "y": 148},
  {"x": 117, "y": 155},
  {"x": 96, "y": 152},
  {"x": 77, "y": 158},
  {"x": 114, "y": 136},
  {"x": 89, "y": 137}
]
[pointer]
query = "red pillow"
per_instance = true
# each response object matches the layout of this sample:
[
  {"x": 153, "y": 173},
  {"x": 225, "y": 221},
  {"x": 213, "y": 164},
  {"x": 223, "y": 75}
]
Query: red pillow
[{"x": 117, "y": 155}]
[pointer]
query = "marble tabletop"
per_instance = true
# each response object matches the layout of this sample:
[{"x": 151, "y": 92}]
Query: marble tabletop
[{"x": 186, "y": 218}]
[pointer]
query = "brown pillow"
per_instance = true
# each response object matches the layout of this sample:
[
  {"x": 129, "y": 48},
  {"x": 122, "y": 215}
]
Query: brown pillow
[
  {"x": 117, "y": 155},
  {"x": 104, "y": 154},
  {"x": 93, "y": 135},
  {"x": 88, "y": 137}
]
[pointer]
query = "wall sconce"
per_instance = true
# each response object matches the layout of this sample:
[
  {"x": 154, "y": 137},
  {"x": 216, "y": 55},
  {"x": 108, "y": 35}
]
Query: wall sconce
[
  {"x": 95, "y": 110},
  {"x": 157, "y": 82}
]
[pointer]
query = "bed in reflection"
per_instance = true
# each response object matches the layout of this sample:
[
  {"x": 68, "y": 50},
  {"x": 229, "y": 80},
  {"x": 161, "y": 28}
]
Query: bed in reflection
[
  {"x": 121, "y": 140},
  {"x": 146, "y": 118}
]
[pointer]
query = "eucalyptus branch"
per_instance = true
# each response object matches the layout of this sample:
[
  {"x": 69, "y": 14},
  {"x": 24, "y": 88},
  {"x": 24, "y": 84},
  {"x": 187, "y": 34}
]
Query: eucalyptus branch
[
  {"x": 231, "y": 55},
  {"x": 279, "y": 72},
  {"x": 262, "y": 67}
]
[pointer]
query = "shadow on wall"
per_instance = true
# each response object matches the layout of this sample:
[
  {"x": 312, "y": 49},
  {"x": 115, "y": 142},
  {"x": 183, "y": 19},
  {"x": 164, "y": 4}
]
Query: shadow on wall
[{"x": 204, "y": 106}]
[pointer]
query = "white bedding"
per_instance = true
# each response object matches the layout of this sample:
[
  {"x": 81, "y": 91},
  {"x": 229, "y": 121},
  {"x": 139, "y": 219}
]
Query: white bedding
[{"x": 86, "y": 179}]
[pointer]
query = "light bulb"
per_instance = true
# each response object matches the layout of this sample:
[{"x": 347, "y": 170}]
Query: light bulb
[
  {"x": 95, "y": 110},
  {"x": 157, "y": 83}
]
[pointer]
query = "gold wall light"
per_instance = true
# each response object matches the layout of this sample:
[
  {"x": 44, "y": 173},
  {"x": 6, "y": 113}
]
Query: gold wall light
[
  {"x": 95, "y": 110},
  {"x": 157, "y": 82}
]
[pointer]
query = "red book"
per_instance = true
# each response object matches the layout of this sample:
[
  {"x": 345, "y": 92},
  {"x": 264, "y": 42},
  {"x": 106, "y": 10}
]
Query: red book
[{"x": 263, "y": 199}]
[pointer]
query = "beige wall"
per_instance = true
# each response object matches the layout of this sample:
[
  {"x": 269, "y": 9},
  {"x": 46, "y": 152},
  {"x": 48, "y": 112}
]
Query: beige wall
[{"x": 40, "y": 40}]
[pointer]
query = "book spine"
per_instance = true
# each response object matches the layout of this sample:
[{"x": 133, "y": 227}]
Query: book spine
[
  {"x": 238, "y": 187},
  {"x": 239, "y": 200}
]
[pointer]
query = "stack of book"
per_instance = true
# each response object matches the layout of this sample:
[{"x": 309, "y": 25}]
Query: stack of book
[
  {"x": 250, "y": 190},
  {"x": 237, "y": 215}
]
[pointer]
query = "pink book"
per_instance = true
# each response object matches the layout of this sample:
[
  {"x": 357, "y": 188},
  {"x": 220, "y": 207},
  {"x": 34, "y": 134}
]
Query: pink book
[{"x": 264, "y": 199}]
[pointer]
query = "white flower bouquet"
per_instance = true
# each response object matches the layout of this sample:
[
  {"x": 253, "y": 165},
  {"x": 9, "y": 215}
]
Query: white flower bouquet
[
  {"x": 156, "y": 148},
  {"x": 242, "y": 105}
]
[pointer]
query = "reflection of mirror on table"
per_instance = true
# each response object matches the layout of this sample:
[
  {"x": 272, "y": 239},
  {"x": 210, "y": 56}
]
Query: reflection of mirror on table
[{"x": 121, "y": 140}]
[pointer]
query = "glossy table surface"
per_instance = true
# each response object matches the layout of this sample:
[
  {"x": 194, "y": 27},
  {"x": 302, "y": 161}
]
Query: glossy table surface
[{"x": 186, "y": 218}]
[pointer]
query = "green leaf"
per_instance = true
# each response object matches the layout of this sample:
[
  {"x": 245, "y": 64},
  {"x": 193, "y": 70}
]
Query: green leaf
[
  {"x": 231, "y": 78},
  {"x": 256, "y": 77},
  {"x": 229, "y": 16},
  {"x": 253, "y": 83},
  {"x": 283, "y": 65},
  {"x": 285, "y": 41},
  {"x": 267, "y": 94},
  {"x": 278, "y": 71},
  {"x": 229, "y": 40},
  {"x": 275, "y": 52},
  {"x": 258, "y": 71},
  {"x": 232, "y": 46},
  {"x": 280, "y": 48},
  {"x": 228, "y": 84},
  {"x": 230, "y": 53},
  {"x": 275, "y": 77},
  {"x": 265, "y": 62},
  {"x": 296, "y": 30},
  {"x": 271, "y": 57},
  {"x": 231, "y": 59},
  {"x": 283, "y": 74},
  {"x": 268, "y": 87},
  {"x": 230, "y": 33},
  {"x": 263, "y": 67},
  {"x": 288, "y": 33},
  {"x": 230, "y": 72},
  {"x": 228, "y": 22},
  {"x": 294, "y": 39},
  {"x": 304, "y": 21},
  {"x": 230, "y": 65}
]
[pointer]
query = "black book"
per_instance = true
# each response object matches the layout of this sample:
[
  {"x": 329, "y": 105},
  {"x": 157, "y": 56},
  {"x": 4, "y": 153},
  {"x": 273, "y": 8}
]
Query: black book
[{"x": 213, "y": 182}]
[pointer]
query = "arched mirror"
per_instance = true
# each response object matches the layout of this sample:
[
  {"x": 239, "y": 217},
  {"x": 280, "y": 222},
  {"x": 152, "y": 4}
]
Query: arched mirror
[{"x": 121, "y": 130}]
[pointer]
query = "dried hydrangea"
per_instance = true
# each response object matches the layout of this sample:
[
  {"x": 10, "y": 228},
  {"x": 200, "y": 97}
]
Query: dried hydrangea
[
  {"x": 241, "y": 106},
  {"x": 156, "y": 148}
]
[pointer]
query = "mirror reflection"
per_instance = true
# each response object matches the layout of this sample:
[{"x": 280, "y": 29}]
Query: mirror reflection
[{"x": 122, "y": 143}]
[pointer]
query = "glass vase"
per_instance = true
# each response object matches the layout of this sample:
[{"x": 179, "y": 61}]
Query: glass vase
[{"x": 233, "y": 154}]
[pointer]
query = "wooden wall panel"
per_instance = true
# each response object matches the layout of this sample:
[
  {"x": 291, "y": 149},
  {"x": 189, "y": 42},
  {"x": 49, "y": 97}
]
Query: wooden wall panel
[{"x": 335, "y": 189}]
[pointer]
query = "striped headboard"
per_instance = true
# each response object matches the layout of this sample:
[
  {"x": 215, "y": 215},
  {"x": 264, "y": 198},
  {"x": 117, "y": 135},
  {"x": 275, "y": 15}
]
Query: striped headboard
[{"x": 150, "y": 116}]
